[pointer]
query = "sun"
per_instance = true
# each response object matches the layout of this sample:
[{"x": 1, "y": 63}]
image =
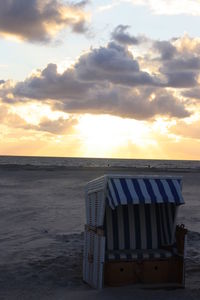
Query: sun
[{"x": 102, "y": 135}]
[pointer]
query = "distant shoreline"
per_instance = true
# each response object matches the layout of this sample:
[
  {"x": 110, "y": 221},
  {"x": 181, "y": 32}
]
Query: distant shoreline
[
  {"x": 147, "y": 169},
  {"x": 98, "y": 158}
]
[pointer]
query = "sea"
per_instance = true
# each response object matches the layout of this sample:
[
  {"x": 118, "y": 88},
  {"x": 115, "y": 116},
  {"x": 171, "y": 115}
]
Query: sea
[
  {"x": 53, "y": 162},
  {"x": 42, "y": 217}
]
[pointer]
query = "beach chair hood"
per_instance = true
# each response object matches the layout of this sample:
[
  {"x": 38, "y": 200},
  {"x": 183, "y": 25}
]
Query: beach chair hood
[{"x": 130, "y": 190}]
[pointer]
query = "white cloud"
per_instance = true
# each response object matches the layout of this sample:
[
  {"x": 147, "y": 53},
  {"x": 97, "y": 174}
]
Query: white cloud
[
  {"x": 110, "y": 6},
  {"x": 170, "y": 7}
]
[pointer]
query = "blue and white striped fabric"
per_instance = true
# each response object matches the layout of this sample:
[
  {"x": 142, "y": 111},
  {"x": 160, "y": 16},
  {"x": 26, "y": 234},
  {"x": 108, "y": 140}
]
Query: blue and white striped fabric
[
  {"x": 122, "y": 191},
  {"x": 139, "y": 226},
  {"x": 141, "y": 230}
]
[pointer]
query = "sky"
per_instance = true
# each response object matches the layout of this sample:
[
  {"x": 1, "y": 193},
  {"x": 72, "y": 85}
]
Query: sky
[{"x": 104, "y": 78}]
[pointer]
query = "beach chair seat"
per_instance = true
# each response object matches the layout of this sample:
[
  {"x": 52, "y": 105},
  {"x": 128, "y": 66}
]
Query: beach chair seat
[
  {"x": 131, "y": 255},
  {"x": 139, "y": 232}
]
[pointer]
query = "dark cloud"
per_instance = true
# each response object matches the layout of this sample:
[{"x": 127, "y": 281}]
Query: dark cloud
[
  {"x": 166, "y": 49},
  {"x": 114, "y": 64},
  {"x": 52, "y": 85},
  {"x": 122, "y": 37},
  {"x": 192, "y": 93},
  {"x": 166, "y": 103},
  {"x": 110, "y": 80},
  {"x": 35, "y": 20},
  {"x": 128, "y": 103},
  {"x": 181, "y": 79},
  {"x": 111, "y": 59},
  {"x": 98, "y": 96},
  {"x": 180, "y": 68},
  {"x": 191, "y": 63},
  {"x": 59, "y": 126},
  {"x": 82, "y": 3},
  {"x": 185, "y": 69},
  {"x": 80, "y": 27}
]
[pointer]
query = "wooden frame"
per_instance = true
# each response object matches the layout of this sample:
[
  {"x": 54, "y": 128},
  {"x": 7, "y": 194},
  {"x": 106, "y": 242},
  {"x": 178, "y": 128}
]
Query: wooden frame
[
  {"x": 145, "y": 272},
  {"x": 157, "y": 272}
]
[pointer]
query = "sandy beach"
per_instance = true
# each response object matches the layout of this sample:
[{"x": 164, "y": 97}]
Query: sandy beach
[{"x": 42, "y": 216}]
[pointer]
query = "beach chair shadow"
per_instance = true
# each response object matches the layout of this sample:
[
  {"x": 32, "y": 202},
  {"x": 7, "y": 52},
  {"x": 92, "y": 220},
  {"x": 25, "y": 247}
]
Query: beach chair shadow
[{"x": 131, "y": 235}]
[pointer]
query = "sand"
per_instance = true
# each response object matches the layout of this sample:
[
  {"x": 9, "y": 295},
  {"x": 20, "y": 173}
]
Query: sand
[{"x": 42, "y": 216}]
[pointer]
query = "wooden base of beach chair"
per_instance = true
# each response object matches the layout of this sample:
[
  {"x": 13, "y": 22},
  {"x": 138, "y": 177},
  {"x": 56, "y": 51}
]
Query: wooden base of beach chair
[{"x": 145, "y": 272}]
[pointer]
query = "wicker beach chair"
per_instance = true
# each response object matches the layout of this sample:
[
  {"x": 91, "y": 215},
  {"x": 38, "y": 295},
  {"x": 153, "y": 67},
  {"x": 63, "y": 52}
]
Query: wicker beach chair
[{"x": 131, "y": 236}]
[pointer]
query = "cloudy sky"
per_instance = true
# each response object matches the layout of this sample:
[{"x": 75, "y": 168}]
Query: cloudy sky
[{"x": 100, "y": 78}]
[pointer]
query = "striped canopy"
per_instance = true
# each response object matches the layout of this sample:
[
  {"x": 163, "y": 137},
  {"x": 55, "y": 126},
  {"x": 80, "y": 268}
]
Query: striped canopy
[{"x": 143, "y": 190}]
